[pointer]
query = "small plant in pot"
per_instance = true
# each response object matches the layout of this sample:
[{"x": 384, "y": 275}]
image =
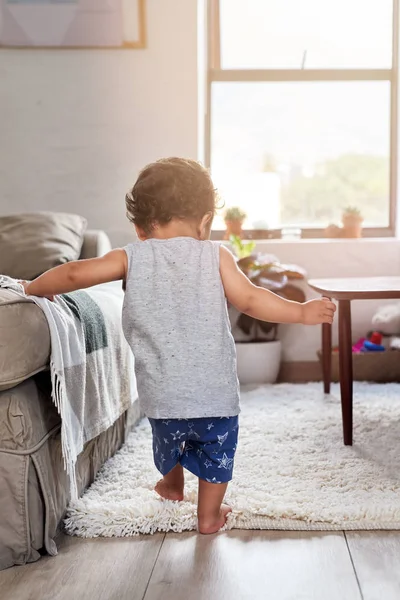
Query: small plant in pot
[
  {"x": 234, "y": 218},
  {"x": 257, "y": 345},
  {"x": 352, "y": 221}
]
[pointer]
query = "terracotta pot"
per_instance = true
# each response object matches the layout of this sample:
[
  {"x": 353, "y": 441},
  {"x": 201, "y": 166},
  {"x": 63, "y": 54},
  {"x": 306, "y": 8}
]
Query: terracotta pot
[
  {"x": 333, "y": 231},
  {"x": 352, "y": 226},
  {"x": 233, "y": 228}
]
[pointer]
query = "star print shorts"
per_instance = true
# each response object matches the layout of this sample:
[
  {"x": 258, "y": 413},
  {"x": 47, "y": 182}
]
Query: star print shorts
[{"x": 206, "y": 447}]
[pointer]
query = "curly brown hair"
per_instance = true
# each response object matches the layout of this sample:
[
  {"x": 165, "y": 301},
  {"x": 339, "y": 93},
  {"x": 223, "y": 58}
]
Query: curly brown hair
[{"x": 171, "y": 188}]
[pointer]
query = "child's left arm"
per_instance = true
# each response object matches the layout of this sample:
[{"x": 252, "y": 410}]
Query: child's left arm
[
  {"x": 265, "y": 305},
  {"x": 79, "y": 274}
]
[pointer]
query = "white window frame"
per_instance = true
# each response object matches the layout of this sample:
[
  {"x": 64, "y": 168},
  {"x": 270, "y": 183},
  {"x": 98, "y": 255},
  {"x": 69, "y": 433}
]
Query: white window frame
[{"x": 215, "y": 73}]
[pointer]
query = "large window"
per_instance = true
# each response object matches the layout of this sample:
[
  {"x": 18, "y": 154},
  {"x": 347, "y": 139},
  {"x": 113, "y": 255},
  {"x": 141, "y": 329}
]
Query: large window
[{"x": 302, "y": 110}]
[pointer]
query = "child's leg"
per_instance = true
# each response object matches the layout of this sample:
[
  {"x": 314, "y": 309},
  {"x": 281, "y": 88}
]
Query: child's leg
[
  {"x": 209, "y": 454},
  {"x": 171, "y": 485},
  {"x": 211, "y": 513},
  {"x": 168, "y": 439}
]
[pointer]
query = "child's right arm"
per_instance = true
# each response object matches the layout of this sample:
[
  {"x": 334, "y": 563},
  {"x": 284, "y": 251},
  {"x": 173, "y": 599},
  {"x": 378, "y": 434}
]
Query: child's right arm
[
  {"x": 265, "y": 305},
  {"x": 79, "y": 274}
]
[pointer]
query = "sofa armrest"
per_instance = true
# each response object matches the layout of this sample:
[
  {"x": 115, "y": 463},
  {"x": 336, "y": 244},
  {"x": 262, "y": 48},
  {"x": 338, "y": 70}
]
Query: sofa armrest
[{"x": 95, "y": 243}]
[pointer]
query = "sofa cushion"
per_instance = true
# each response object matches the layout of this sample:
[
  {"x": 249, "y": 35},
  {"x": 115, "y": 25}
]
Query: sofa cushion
[
  {"x": 30, "y": 244},
  {"x": 24, "y": 339}
]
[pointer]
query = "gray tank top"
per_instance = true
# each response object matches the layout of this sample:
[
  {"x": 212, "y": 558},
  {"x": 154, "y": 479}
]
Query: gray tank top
[{"x": 175, "y": 319}]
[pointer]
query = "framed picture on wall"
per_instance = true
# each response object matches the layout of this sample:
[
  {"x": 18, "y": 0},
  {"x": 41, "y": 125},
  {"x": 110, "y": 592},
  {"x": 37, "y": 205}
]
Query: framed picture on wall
[{"x": 73, "y": 23}]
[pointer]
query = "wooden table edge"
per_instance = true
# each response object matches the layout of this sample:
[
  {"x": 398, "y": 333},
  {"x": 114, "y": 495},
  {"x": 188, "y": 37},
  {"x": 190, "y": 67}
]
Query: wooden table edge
[{"x": 356, "y": 295}]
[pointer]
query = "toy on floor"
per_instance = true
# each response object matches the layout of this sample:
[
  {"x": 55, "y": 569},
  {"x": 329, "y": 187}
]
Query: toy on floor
[
  {"x": 386, "y": 332},
  {"x": 386, "y": 321},
  {"x": 371, "y": 347},
  {"x": 372, "y": 343},
  {"x": 357, "y": 347}
]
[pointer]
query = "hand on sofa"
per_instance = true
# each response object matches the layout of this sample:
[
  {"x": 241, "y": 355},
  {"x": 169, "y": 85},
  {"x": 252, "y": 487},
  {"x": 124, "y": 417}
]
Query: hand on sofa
[{"x": 25, "y": 285}]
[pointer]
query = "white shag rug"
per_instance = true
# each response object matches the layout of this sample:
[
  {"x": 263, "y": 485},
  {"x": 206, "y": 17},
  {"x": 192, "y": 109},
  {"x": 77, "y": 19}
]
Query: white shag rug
[{"x": 292, "y": 470}]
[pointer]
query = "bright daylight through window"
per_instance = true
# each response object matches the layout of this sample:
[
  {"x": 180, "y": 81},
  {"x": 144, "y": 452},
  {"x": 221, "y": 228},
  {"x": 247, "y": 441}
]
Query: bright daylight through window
[{"x": 303, "y": 111}]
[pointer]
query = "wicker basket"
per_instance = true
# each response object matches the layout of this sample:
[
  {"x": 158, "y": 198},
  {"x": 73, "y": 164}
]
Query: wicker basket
[{"x": 382, "y": 367}]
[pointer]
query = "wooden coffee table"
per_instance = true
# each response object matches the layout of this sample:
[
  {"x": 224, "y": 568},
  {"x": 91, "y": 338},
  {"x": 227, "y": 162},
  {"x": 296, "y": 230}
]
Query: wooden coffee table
[{"x": 344, "y": 291}]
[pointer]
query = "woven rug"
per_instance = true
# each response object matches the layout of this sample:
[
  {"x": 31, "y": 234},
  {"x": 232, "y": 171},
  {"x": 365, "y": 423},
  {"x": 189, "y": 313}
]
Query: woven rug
[{"x": 292, "y": 470}]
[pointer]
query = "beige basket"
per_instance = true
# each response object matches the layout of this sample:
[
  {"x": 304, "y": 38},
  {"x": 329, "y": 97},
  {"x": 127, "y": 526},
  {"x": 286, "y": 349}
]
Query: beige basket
[{"x": 382, "y": 367}]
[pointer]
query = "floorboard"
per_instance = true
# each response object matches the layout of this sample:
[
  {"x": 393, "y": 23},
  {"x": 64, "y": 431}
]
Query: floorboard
[
  {"x": 376, "y": 558},
  {"x": 96, "y": 569},
  {"x": 254, "y": 565}
]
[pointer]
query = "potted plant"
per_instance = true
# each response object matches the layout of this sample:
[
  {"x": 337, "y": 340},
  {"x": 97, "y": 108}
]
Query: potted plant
[
  {"x": 352, "y": 221},
  {"x": 257, "y": 346},
  {"x": 234, "y": 218}
]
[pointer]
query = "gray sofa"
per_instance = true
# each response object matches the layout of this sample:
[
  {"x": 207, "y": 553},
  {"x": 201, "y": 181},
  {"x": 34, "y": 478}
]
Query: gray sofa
[{"x": 34, "y": 490}]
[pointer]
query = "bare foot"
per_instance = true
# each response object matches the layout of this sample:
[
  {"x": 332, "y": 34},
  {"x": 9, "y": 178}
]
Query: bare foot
[
  {"x": 208, "y": 527},
  {"x": 167, "y": 492}
]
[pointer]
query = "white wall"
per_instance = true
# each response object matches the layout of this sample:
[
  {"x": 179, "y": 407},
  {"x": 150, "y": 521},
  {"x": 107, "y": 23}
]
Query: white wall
[{"x": 76, "y": 126}]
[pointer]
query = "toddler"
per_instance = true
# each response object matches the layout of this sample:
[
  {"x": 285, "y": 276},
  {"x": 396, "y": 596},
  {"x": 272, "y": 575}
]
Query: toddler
[{"x": 175, "y": 319}]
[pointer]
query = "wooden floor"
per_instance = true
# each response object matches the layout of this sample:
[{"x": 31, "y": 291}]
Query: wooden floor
[{"x": 236, "y": 565}]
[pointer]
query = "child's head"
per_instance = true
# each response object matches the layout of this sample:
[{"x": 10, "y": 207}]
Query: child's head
[{"x": 172, "y": 190}]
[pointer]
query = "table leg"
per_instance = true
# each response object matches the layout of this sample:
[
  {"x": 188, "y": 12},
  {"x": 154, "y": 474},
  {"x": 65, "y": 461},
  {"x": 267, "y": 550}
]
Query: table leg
[
  {"x": 326, "y": 356},
  {"x": 346, "y": 370}
]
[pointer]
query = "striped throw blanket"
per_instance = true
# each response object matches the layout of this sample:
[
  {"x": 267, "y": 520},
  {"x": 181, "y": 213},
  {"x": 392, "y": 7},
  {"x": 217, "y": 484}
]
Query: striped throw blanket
[{"x": 91, "y": 364}]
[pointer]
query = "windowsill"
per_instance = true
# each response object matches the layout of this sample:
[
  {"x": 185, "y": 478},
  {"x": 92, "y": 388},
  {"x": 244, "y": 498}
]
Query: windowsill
[
  {"x": 324, "y": 241},
  {"x": 308, "y": 235},
  {"x": 374, "y": 240}
]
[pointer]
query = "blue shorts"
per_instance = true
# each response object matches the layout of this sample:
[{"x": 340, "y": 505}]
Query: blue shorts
[{"x": 205, "y": 447}]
